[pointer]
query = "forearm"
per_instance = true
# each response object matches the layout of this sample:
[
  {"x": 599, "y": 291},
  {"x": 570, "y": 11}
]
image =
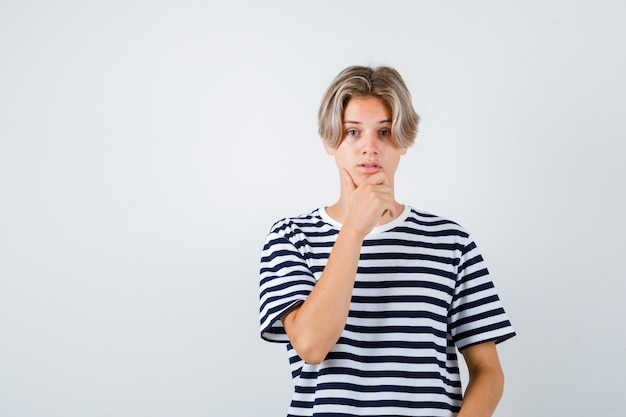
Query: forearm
[{"x": 316, "y": 325}]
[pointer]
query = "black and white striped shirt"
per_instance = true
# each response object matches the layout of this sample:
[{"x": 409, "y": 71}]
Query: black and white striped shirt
[{"x": 421, "y": 292}]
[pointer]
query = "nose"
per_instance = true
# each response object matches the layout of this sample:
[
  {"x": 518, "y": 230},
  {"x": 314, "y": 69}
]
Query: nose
[{"x": 369, "y": 144}]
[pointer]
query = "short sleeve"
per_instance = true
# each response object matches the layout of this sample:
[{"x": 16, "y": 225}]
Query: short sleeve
[
  {"x": 476, "y": 314},
  {"x": 285, "y": 281}
]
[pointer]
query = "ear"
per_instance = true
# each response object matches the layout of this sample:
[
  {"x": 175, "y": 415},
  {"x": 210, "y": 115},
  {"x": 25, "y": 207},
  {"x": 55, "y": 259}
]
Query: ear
[
  {"x": 403, "y": 151},
  {"x": 329, "y": 149}
]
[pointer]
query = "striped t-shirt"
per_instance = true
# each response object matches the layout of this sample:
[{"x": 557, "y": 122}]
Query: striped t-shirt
[{"x": 422, "y": 290}]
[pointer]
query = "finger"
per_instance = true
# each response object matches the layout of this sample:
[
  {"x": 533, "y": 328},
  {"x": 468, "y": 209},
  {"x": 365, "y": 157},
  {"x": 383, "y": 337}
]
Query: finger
[
  {"x": 389, "y": 208},
  {"x": 377, "y": 179},
  {"x": 348, "y": 181},
  {"x": 385, "y": 200}
]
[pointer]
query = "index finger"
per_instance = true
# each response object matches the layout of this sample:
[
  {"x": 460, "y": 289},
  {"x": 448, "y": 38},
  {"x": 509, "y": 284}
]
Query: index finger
[
  {"x": 377, "y": 178},
  {"x": 348, "y": 180}
]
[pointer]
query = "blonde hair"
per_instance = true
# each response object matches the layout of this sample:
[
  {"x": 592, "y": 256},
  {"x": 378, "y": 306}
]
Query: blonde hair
[{"x": 382, "y": 82}]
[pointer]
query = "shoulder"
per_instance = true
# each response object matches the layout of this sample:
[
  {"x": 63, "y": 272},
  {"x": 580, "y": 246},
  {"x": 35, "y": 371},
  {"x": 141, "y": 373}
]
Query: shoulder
[
  {"x": 432, "y": 223},
  {"x": 305, "y": 227},
  {"x": 300, "y": 234},
  {"x": 289, "y": 225}
]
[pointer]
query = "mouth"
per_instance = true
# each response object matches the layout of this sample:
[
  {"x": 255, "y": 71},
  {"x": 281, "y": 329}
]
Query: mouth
[{"x": 370, "y": 167}]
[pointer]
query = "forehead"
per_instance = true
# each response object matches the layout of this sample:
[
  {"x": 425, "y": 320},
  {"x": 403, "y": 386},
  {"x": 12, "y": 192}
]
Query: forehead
[{"x": 360, "y": 109}]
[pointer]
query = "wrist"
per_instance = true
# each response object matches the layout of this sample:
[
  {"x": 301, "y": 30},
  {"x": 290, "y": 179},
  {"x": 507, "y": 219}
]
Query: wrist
[{"x": 353, "y": 234}]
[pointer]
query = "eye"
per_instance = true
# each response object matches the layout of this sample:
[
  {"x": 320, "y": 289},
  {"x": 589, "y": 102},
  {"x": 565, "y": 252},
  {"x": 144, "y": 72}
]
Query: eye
[
  {"x": 352, "y": 132},
  {"x": 385, "y": 132}
]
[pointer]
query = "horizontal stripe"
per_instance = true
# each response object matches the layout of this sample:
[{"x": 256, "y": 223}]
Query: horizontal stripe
[{"x": 422, "y": 290}]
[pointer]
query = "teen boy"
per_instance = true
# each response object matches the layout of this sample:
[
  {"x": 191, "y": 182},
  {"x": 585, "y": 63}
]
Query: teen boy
[{"x": 373, "y": 297}]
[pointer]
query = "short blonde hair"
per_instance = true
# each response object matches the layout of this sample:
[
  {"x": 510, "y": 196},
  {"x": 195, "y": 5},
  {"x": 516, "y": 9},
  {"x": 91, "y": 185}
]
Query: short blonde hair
[{"x": 382, "y": 82}]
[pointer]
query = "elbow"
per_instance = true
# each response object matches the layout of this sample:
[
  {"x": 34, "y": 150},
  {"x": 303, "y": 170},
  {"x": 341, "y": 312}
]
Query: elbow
[
  {"x": 313, "y": 358},
  {"x": 311, "y": 343},
  {"x": 496, "y": 376},
  {"x": 311, "y": 351},
  {"x": 500, "y": 378}
]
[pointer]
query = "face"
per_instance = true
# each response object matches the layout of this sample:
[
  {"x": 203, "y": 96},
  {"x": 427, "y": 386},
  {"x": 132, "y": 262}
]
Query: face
[{"x": 367, "y": 146}]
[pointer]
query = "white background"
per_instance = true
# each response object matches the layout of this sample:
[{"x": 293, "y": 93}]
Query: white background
[{"x": 146, "y": 147}]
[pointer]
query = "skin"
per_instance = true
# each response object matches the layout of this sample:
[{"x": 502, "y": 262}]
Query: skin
[
  {"x": 367, "y": 159},
  {"x": 486, "y": 381}
]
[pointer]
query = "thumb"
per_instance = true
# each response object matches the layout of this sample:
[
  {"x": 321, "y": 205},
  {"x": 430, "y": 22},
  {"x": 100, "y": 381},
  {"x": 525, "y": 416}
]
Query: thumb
[{"x": 348, "y": 181}]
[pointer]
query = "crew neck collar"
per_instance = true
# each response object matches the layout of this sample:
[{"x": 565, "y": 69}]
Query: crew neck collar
[{"x": 377, "y": 229}]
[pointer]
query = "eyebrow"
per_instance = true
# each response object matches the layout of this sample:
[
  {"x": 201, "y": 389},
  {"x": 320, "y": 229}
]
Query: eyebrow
[{"x": 358, "y": 123}]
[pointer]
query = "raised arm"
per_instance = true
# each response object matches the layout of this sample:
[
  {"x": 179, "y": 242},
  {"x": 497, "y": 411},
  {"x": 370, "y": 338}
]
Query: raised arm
[{"x": 315, "y": 325}]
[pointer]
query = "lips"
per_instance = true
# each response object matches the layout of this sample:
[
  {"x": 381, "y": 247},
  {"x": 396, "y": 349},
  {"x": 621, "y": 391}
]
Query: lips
[{"x": 370, "y": 166}]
